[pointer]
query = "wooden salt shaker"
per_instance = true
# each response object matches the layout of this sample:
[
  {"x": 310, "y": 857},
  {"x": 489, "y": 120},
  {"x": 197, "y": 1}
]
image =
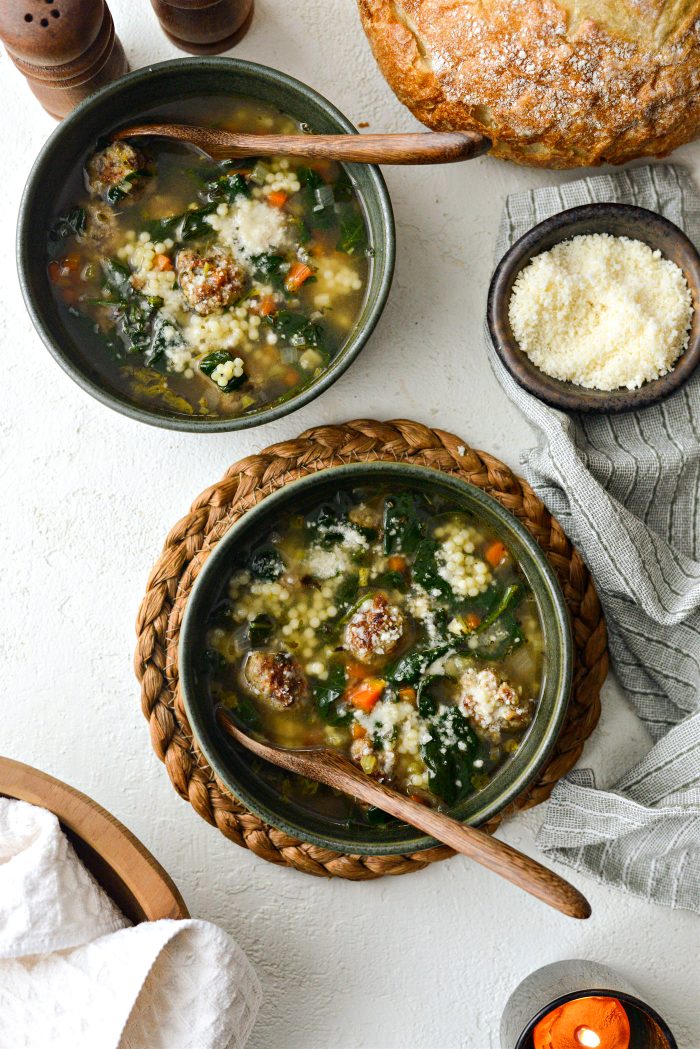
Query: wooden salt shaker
[
  {"x": 204, "y": 27},
  {"x": 65, "y": 48}
]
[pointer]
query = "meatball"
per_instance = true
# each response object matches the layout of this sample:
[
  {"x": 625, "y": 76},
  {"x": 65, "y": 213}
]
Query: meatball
[
  {"x": 493, "y": 706},
  {"x": 275, "y": 677},
  {"x": 373, "y": 761},
  {"x": 374, "y": 630},
  {"x": 114, "y": 167},
  {"x": 209, "y": 281}
]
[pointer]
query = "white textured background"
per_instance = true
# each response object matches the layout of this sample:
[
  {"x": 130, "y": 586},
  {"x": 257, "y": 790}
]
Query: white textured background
[{"x": 424, "y": 961}]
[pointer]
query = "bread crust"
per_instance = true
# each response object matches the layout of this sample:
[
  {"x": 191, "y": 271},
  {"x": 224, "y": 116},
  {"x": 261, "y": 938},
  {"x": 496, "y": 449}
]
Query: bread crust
[{"x": 557, "y": 85}]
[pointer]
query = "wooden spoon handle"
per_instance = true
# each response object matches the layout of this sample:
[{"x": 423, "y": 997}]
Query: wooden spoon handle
[
  {"x": 424, "y": 147},
  {"x": 335, "y": 770},
  {"x": 496, "y": 855}
]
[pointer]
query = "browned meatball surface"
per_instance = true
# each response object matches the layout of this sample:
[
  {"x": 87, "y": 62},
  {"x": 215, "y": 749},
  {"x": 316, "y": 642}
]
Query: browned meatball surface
[
  {"x": 114, "y": 166},
  {"x": 209, "y": 281},
  {"x": 374, "y": 630},
  {"x": 275, "y": 677}
]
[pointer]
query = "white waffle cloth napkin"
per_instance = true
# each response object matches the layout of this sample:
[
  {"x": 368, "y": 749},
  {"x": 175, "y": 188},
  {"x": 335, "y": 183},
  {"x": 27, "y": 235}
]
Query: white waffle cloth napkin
[{"x": 75, "y": 975}]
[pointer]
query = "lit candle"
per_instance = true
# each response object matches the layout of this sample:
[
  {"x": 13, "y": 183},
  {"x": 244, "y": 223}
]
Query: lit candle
[{"x": 584, "y": 1023}]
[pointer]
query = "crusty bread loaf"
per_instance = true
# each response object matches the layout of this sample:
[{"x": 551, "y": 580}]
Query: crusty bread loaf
[{"x": 553, "y": 84}]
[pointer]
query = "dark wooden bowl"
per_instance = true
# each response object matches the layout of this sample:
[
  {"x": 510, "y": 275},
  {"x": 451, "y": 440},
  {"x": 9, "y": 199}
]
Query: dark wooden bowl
[
  {"x": 119, "y": 862},
  {"x": 618, "y": 220}
]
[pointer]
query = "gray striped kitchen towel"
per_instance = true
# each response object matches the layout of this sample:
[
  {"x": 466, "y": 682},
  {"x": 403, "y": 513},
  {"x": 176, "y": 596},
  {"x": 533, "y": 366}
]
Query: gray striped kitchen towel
[{"x": 626, "y": 490}]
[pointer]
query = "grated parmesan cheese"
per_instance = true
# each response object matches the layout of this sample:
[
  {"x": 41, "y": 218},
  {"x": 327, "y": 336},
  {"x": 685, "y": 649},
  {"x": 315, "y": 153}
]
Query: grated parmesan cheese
[{"x": 602, "y": 312}]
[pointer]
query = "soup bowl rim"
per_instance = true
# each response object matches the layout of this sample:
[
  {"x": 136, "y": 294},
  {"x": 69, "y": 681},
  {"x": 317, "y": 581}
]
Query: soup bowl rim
[
  {"x": 221, "y": 753},
  {"x": 62, "y": 346}
]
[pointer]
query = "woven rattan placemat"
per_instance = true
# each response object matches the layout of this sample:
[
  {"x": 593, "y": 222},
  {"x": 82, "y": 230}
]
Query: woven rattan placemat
[{"x": 247, "y": 482}]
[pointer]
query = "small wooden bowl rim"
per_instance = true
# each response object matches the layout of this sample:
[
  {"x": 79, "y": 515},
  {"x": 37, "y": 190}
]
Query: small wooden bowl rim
[
  {"x": 122, "y": 865},
  {"x": 589, "y": 218}
]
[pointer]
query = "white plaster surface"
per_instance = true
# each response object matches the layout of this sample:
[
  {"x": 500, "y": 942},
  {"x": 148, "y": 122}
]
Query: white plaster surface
[{"x": 418, "y": 962}]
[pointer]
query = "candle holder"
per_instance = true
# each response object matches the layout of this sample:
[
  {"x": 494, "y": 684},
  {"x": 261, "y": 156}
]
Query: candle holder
[{"x": 554, "y": 985}]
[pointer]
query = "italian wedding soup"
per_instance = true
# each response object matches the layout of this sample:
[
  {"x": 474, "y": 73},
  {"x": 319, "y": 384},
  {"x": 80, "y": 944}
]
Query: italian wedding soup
[
  {"x": 206, "y": 288},
  {"x": 390, "y": 625}
]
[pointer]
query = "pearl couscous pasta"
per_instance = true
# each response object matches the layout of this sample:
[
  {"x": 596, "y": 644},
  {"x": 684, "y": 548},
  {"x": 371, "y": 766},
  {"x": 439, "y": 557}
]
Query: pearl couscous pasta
[
  {"x": 203, "y": 288},
  {"x": 392, "y": 626}
]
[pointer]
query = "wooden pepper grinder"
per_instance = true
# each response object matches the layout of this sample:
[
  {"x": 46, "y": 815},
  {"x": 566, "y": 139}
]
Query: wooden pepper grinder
[
  {"x": 65, "y": 48},
  {"x": 204, "y": 27}
]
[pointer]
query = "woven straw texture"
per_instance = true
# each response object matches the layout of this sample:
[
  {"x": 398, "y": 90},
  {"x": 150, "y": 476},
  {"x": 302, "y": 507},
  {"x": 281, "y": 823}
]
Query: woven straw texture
[{"x": 247, "y": 482}]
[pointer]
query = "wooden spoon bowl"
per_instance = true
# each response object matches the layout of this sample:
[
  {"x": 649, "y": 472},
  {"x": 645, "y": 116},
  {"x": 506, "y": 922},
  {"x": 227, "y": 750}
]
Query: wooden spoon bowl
[{"x": 124, "y": 867}]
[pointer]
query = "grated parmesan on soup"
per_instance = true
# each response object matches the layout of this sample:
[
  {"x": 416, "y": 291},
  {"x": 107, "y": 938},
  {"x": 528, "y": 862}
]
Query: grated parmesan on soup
[{"x": 602, "y": 312}]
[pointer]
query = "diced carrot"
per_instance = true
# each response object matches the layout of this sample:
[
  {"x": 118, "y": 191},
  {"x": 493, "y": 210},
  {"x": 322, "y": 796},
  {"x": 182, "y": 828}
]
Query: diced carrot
[
  {"x": 277, "y": 199},
  {"x": 71, "y": 263},
  {"x": 418, "y": 798},
  {"x": 162, "y": 262},
  {"x": 408, "y": 695},
  {"x": 355, "y": 671},
  {"x": 54, "y": 271},
  {"x": 290, "y": 377},
  {"x": 267, "y": 306},
  {"x": 472, "y": 620},
  {"x": 367, "y": 694},
  {"x": 396, "y": 563},
  {"x": 357, "y": 731},
  {"x": 495, "y": 553},
  {"x": 298, "y": 273}
]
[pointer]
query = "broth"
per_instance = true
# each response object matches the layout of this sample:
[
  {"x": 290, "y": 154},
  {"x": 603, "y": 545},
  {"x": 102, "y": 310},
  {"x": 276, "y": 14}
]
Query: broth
[{"x": 203, "y": 288}]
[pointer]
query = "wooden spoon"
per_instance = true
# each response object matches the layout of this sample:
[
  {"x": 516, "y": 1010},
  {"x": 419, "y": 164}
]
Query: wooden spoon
[
  {"x": 329, "y": 767},
  {"x": 424, "y": 147}
]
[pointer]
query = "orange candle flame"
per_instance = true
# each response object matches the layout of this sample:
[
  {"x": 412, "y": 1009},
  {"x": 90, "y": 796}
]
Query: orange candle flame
[{"x": 584, "y": 1023}]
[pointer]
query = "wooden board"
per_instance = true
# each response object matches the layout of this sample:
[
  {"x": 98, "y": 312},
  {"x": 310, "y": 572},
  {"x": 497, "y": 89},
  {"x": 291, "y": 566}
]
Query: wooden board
[{"x": 124, "y": 867}]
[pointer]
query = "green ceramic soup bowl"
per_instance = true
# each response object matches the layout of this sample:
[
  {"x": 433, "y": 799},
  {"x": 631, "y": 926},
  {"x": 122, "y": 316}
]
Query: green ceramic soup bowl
[
  {"x": 154, "y": 89},
  {"x": 236, "y": 768}
]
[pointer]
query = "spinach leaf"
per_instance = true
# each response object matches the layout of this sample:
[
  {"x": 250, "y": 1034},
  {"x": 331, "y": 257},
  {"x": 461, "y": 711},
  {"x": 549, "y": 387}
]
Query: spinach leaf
[
  {"x": 353, "y": 235},
  {"x": 72, "y": 224},
  {"x": 161, "y": 229},
  {"x": 165, "y": 335},
  {"x": 117, "y": 192},
  {"x": 260, "y": 630},
  {"x": 266, "y": 563},
  {"x": 213, "y": 660},
  {"x": 298, "y": 330},
  {"x": 191, "y": 225},
  {"x": 309, "y": 177},
  {"x": 499, "y": 639},
  {"x": 327, "y": 693},
  {"x": 427, "y": 704},
  {"x": 425, "y": 570},
  {"x": 117, "y": 277},
  {"x": 323, "y": 528},
  {"x": 268, "y": 268},
  {"x": 412, "y": 667},
  {"x": 138, "y": 322},
  {"x": 227, "y": 187},
  {"x": 510, "y": 598},
  {"x": 346, "y": 594},
  {"x": 403, "y": 529},
  {"x": 210, "y": 363},
  {"x": 450, "y": 755},
  {"x": 391, "y": 581},
  {"x": 247, "y": 711},
  {"x": 195, "y": 225}
]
